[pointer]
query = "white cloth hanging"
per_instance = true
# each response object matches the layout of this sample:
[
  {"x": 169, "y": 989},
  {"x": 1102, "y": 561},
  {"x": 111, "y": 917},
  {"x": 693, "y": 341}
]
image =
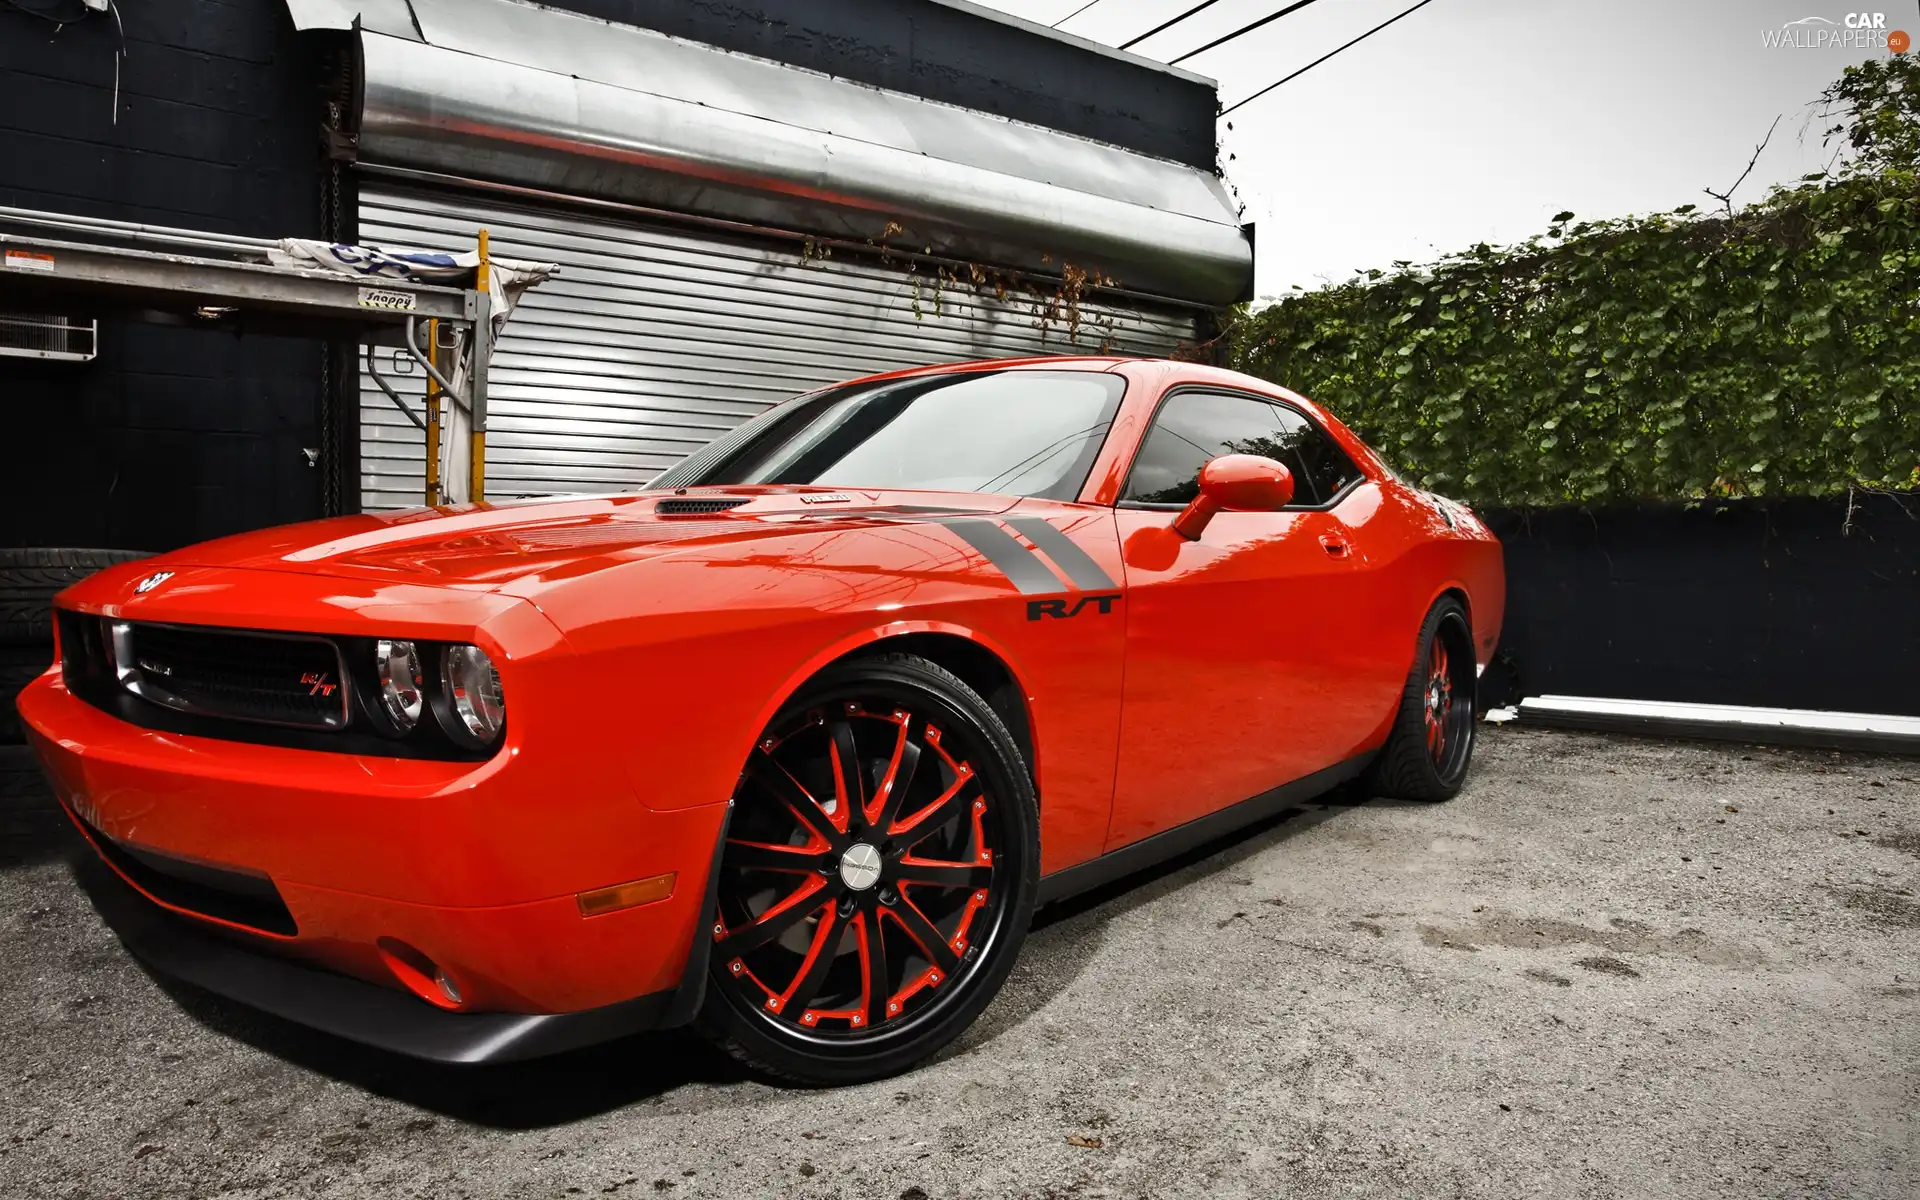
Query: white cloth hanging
[{"x": 506, "y": 277}]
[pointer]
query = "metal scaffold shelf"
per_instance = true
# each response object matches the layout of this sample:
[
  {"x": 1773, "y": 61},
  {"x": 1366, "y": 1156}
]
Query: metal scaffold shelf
[{"x": 55, "y": 262}]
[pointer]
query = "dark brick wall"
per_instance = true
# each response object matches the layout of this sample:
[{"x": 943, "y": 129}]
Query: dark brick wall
[
  {"x": 1779, "y": 604},
  {"x": 170, "y": 436},
  {"x": 949, "y": 54}
]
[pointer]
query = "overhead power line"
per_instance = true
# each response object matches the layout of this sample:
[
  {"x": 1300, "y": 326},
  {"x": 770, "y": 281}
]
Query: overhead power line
[
  {"x": 1076, "y": 12},
  {"x": 1248, "y": 28},
  {"x": 1324, "y": 57},
  {"x": 1168, "y": 24}
]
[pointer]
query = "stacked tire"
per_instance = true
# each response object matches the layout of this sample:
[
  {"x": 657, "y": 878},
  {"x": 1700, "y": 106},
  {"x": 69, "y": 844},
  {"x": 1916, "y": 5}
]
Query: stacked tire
[{"x": 29, "y": 579}]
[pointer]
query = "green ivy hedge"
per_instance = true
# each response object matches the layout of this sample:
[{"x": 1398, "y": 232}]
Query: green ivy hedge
[{"x": 1771, "y": 351}]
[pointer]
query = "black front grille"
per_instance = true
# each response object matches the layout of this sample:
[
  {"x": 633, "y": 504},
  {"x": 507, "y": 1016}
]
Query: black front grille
[
  {"x": 244, "y": 685},
  {"x": 680, "y": 508},
  {"x": 277, "y": 679}
]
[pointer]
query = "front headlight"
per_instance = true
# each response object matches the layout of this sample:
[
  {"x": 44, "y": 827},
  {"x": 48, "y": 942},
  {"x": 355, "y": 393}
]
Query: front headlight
[
  {"x": 472, "y": 689},
  {"x": 402, "y": 687}
]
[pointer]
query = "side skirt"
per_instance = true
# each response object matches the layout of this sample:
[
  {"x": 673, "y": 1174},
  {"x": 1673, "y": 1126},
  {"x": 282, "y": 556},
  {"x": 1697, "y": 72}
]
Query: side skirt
[{"x": 1138, "y": 856}]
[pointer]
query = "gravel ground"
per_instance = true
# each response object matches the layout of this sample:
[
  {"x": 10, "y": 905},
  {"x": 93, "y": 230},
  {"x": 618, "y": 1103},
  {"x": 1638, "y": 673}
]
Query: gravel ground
[{"x": 1609, "y": 968}]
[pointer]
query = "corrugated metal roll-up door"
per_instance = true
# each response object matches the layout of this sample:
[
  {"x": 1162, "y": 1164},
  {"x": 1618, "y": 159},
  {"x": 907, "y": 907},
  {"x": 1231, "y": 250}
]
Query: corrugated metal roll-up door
[{"x": 655, "y": 339}]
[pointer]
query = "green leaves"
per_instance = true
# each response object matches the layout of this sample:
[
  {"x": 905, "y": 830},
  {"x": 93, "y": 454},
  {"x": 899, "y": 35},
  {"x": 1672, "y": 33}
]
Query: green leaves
[{"x": 1671, "y": 357}]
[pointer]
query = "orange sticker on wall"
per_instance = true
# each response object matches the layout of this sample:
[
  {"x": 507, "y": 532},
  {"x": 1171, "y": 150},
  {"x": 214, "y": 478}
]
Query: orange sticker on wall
[
  {"x": 1898, "y": 41},
  {"x": 27, "y": 260}
]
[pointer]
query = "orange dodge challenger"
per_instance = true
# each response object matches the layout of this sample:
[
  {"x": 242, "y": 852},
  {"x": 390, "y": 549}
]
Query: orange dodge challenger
[{"x": 789, "y": 744}]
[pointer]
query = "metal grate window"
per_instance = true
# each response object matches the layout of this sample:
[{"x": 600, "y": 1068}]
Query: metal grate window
[{"x": 63, "y": 339}]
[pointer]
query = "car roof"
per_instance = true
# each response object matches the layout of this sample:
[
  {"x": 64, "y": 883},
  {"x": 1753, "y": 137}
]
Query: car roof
[
  {"x": 1169, "y": 370},
  {"x": 1051, "y": 362}
]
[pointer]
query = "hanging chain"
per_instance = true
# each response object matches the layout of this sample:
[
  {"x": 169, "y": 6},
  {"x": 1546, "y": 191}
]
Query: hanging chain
[
  {"x": 331, "y": 390},
  {"x": 335, "y": 393}
]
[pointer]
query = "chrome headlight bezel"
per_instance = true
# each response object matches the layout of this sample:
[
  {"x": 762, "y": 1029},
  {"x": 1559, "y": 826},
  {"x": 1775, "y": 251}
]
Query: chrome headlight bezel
[
  {"x": 400, "y": 672},
  {"x": 472, "y": 708}
]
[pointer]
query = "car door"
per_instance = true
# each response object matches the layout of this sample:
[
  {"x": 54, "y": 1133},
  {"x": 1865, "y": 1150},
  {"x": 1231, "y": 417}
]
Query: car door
[{"x": 1235, "y": 675}]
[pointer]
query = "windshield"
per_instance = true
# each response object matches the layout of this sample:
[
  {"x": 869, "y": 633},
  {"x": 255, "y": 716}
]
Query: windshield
[{"x": 1018, "y": 433}]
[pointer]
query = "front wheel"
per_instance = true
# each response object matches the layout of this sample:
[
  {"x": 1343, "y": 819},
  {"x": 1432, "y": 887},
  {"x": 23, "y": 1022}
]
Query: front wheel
[
  {"x": 878, "y": 877},
  {"x": 1427, "y": 752}
]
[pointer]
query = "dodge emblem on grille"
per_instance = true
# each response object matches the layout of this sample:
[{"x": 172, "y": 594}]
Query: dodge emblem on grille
[
  {"x": 318, "y": 684},
  {"x": 151, "y": 582}
]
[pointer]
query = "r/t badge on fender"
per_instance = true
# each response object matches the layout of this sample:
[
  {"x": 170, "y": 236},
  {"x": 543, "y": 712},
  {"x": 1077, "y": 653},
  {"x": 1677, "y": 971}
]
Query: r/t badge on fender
[{"x": 1058, "y": 608}]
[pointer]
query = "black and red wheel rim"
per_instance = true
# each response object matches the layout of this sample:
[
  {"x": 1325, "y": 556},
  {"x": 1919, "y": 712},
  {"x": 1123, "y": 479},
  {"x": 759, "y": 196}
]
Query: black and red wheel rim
[
  {"x": 864, "y": 875},
  {"x": 1447, "y": 702}
]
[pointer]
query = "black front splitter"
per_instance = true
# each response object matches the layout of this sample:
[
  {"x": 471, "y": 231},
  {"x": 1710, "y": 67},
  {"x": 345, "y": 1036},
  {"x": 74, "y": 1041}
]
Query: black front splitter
[{"x": 352, "y": 1008}]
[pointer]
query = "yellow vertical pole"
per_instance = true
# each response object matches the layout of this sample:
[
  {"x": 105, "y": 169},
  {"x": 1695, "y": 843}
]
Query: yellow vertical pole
[
  {"x": 481, "y": 345},
  {"x": 433, "y": 415}
]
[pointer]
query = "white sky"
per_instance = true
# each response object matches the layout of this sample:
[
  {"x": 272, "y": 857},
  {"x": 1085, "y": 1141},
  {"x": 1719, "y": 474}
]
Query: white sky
[{"x": 1477, "y": 120}]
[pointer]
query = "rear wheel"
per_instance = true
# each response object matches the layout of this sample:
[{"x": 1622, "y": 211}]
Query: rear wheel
[
  {"x": 1427, "y": 754},
  {"x": 879, "y": 875}
]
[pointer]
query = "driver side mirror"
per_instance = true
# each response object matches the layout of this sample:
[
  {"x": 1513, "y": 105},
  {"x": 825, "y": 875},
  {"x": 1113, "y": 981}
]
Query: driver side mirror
[{"x": 1235, "y": 482}]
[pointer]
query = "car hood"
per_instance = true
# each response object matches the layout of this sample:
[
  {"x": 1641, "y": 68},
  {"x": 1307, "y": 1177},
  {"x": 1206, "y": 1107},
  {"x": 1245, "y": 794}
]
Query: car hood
[{"x": 488, "y": 547}]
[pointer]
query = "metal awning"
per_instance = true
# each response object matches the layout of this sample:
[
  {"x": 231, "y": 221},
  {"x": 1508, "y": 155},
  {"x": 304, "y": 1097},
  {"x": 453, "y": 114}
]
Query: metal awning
[{"x": 508, "y": 92}]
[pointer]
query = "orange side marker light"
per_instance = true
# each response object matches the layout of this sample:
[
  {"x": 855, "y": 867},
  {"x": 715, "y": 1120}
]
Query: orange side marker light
[{"x": 601, "y": 901}]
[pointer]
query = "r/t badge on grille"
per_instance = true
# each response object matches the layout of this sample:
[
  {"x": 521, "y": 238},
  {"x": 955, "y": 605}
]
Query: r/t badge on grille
[
  {"x": 319, "y": 683},
  {"x": 151, "y": 582}
]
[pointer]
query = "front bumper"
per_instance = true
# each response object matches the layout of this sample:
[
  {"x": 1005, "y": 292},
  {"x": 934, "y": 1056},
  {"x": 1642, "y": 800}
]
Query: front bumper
[{"x": 476, "y": 867}]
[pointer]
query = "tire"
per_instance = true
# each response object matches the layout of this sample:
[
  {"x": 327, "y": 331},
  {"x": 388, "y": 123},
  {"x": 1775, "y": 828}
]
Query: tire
[
  {"x": 1413, "y": 765},
  {"x": 823, "y": 969},
  {"x": 29, "y": 579},
  {"x": 19, "y": 666}
]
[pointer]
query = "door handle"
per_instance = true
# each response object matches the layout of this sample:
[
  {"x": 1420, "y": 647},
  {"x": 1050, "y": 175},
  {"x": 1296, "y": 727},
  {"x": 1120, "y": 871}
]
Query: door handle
[{"x": 1335, "y": 546}]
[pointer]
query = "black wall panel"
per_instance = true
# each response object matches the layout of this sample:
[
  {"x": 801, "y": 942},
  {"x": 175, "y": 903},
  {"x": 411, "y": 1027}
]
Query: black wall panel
[
  {"x": 171, "y": 435},
  {"x": 1788, "y": 604},
  {"x": 944, "y": 53}
]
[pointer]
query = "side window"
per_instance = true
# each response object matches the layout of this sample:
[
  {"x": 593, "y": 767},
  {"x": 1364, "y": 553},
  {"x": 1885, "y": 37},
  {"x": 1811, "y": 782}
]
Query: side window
[
  {"x": 1191, "y": 429},
  {"x": 1320, "y": 468},
  {"x": 1194, "y": 427}
]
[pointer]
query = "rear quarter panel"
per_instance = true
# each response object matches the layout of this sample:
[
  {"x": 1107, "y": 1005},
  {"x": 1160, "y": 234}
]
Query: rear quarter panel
[{"x": 1421, "y": 557}]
